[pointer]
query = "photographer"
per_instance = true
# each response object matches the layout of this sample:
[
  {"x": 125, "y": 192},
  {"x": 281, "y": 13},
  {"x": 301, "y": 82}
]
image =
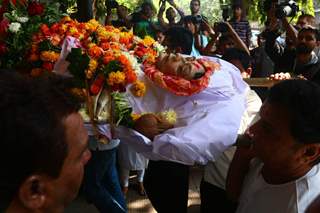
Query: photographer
[
  {"x": 170, "y": 14},
  {"x": 122, "y": 13},
  {"x": 298, "y": 55}
]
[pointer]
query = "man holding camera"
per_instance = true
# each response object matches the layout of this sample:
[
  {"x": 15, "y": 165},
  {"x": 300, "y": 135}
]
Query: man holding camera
[{"x": 298, "y": 56}]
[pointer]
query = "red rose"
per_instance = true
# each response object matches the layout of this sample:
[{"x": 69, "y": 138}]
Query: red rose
[
  {"x": 35, "y": 8},
  {"x": 3, "y": 48},
  {"x": 4, "y": 25},
  {"x": 48, "y": 66}
]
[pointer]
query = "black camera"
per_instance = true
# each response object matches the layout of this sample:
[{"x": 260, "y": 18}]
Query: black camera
[
  {"x": 221, "y": 27},
  {"x": 286, "y": 9}
]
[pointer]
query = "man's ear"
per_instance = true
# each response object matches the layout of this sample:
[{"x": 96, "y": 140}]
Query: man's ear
[
  {"x": 311, "y": 153},
  {"x": 32, "y": 192},
  {"x": 249, "y": 71}
]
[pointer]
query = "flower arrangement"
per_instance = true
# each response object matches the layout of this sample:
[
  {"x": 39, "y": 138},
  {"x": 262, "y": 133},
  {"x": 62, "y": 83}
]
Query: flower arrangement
[
  {"x": 19, "y": 20},
  {"x": 103, "y": 60}
]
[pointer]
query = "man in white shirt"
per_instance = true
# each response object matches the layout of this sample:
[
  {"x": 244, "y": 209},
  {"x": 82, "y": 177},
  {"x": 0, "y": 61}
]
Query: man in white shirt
[
  {"x": 212, "y": 189},
  {"x": 280, "y": 171}
]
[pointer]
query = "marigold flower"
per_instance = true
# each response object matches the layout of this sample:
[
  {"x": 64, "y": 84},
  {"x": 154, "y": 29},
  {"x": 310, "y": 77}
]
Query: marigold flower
[
  {"x": 95, "y": 52},
  {"x": 138, "y": 89},
  {"x": 45, "y": 29},
  {"x": 93, "y": 64},
  {"x": 50, "y": 56},
  {"x": 116, "y": 78},
  {"x": 148, "y": 41}
]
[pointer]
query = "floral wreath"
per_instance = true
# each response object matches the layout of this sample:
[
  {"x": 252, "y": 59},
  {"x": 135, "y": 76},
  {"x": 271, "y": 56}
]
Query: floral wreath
[{"x": 178, "y": 85}]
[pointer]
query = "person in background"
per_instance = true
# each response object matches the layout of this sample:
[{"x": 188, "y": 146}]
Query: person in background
[
  {"x": 171, "y": 15},
  {"x": 240, "y": 24},
  {"x": 262, "y": 65},
  {"x": 130, "y": 160},
  {"x": 122, "y": 14},
  {"x": 200, "y": 41},
  {"x": 279, "y": 171},
  {"x": 212, "y": 188},
  {"x": 141, "y": 20},
  {"x": 43, "y": 142}
]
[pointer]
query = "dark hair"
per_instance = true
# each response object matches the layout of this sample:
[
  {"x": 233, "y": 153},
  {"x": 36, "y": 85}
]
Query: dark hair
[
  {"x": 180, "y": 37},
  {"x": 32, "y": 113},
  {"x": 237, "y": 54},
  {"x": 197, "y": 1},
  {"x": 225, "y": 38},
  {"x": 312, "y": 30},
  {"x": 302, "y": 100}
]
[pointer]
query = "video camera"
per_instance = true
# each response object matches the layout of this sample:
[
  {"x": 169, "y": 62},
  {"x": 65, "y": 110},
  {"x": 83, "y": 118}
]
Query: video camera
[{"x": 288, "y": 8}]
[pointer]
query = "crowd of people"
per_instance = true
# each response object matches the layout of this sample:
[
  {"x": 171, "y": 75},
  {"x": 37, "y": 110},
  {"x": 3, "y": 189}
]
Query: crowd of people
[{"x": 47, "y": 150}]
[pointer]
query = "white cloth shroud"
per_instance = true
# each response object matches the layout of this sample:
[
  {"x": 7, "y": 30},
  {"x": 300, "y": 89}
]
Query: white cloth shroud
[{"x": 207, "y": 122}]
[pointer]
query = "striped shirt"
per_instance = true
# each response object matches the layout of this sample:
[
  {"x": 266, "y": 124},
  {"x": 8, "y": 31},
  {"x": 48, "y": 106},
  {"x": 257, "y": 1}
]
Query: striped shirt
[{"x": 243, "y": 29}]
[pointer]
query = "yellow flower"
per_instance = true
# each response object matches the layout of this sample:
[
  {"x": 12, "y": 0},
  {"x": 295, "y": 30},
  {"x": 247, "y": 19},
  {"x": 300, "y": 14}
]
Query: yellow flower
[
  {"x": 169, "y": 115},
  {"x": 135, "y": 116},
  {"x": 73, "y": 30},
  {"x": 138, "y": 89},
  {"x": 93, "y": 64},
  {"x": 116, "y": 78},
  {"x": 50, "y": 56},
  {"x": 148, "y": 41}
]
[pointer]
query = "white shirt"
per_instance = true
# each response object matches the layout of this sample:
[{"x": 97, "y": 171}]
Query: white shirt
[
  {"x": 216, "y": 172},
  {"x": 293, "y": 197},
  {"x": 207, "y": 122}
]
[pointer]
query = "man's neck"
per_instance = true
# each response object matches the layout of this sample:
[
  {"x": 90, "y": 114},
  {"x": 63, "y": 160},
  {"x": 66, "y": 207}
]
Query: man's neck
[
  {"x": 281, "y": 176},
  {"x": 304, "y": 58}
]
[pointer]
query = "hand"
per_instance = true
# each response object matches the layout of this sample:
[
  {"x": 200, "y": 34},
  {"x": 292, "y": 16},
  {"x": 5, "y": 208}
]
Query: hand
[
  {"x": 280, "y": 76},
  {"x": 207, "y": 27}
]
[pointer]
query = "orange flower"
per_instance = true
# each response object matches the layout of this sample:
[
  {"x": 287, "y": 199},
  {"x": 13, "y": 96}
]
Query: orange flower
[
  {"x": 55, "y": 40},
  {"x": 50, "y": 56},
  {"x": 45, "y": 29},
  {"x": 123, "y": 60},
  {"x": 95, "y": 52},
  {"x": 105, "y": 46},
  {"x": 130, "y": 76}
]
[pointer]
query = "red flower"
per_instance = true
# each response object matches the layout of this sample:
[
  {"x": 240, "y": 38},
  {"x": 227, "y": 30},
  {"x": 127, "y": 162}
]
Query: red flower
[
  {"x": 3, "y": 48},
  {"x": 35, "y": 8},
  {"x": 48, "y": 66},
  {"x": 4, "y": 25},
  {"x": 45, "y": 29}
]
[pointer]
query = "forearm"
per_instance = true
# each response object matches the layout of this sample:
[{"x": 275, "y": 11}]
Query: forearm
[
  {"x": 237, "y": 172},
  {"x": 291, "y": 32}
]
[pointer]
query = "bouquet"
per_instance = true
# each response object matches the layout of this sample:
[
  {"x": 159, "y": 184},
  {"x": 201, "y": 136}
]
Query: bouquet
[{"x": 19, "y": 20}]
